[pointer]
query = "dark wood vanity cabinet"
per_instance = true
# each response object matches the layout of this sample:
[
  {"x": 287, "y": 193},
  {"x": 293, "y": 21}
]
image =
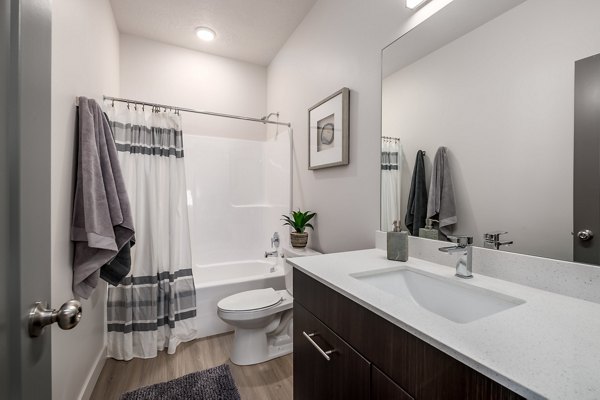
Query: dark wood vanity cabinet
[
  {"x": 346, "y": 375},
  {"x": 372, "y": 358}
]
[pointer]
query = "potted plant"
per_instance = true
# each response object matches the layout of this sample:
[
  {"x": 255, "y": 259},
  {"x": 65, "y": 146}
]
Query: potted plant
[{"x": 299, "y": 222}]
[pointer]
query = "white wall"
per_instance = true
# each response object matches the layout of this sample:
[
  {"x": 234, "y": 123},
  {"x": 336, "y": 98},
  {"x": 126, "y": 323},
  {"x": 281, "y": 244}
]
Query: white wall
[
  {"x": 501, "y": 100},
  {"x": 229, "y": 195},
  {"x": 85, "y": 62},
  {"x": 165, "y": 74},
  {"x": 339, "y": 44}
]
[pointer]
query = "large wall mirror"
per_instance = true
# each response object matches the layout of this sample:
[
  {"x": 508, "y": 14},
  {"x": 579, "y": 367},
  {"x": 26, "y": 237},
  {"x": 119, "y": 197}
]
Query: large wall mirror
[{"x": 496, "y": 88}]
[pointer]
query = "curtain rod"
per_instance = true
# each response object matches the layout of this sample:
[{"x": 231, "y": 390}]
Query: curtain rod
[{"x": 263, "y": 120}]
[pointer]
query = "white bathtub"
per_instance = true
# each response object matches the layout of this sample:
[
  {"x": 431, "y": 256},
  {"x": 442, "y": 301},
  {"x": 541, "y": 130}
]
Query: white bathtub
[{"x": 216, "y": 281}]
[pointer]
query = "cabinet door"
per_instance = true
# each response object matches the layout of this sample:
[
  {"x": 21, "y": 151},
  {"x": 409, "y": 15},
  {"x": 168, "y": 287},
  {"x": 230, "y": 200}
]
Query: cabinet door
[
  {"x": 344, "y": 376},
  {"x": 383, "y": 388}
]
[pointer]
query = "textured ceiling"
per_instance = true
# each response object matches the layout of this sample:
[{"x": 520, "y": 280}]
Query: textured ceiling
[{"x": 247, "y": 30}]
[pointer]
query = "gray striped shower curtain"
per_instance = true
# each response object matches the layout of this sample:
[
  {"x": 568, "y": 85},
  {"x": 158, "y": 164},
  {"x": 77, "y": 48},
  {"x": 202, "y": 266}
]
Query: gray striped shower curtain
[{"x": 154, "y": 307}]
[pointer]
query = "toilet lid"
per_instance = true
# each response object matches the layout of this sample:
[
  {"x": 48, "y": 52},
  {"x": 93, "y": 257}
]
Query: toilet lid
[{"x": 250, "y": 300}]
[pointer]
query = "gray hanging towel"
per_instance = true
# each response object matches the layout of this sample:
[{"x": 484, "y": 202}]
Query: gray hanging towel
[
  {"x": 102, "y": 222},
  {"x": 441, "y": 204},
  {"x": 417, "y": 198},
  {"x": 119, "y": 267}
]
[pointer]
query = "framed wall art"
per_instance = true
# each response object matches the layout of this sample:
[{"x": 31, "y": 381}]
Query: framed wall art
[{"x": 328, "y": 131}]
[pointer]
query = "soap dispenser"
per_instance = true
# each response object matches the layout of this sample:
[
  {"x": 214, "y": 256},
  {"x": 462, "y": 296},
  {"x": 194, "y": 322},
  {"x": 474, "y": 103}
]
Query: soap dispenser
[
  {"x": 397, "y": 244},
  {"x": 429, "y": 232}
]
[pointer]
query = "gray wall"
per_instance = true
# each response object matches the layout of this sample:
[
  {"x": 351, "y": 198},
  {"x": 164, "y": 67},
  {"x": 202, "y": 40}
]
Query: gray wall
[
  {"x": 166, "y": 74},
  {"x": 338, "y": 44},
  {"x": 85, "y": 62}
]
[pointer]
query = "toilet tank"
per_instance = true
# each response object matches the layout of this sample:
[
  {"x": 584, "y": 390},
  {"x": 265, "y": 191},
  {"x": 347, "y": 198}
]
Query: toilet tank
[{"x": 290, "y": 252}]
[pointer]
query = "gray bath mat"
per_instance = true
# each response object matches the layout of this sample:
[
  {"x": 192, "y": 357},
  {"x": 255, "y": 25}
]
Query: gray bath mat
[{"x": 211, "y": 384}]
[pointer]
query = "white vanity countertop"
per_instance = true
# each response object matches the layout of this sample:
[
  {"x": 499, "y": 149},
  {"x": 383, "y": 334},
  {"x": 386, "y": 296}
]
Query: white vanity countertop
[{"x": 548, "y": 347}]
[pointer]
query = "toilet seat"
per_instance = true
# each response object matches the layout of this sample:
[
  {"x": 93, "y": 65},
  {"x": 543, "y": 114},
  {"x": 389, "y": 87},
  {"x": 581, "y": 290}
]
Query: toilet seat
[{"x": 251, "y": 300}]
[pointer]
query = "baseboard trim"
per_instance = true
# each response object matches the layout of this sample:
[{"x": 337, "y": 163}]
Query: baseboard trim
[{"x": 92, "y": 378}]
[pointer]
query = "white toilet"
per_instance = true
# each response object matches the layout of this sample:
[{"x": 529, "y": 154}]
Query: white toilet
[{"x": 262, "y": 318}]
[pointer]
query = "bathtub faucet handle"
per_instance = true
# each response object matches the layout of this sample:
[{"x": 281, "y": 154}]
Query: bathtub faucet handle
[
  {"x": 271, "y": 253},
  {"x": 275, "y": 240}
]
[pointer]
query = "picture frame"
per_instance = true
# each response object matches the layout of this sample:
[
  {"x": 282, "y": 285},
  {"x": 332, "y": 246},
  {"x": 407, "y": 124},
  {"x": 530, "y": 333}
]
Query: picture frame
[{"x": 329, "y": 131}]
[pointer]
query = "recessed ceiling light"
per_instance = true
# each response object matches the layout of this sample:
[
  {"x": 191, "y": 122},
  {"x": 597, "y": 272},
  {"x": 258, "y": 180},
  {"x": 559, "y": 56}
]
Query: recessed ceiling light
[
  {"x": 205, "y": 33},
  {"x": 412, "y": 4}
]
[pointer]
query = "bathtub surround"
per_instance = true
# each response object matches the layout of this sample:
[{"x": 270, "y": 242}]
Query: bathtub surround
[
  {"x": 153, "y": 308},
  {"x": 102, "y": 221},
  {"x": 237, "y": 191}
]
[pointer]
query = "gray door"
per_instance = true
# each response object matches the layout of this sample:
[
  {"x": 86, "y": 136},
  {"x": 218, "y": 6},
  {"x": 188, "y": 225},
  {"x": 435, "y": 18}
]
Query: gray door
[
  {"x": 24, "y": 195},
  {"x": 586, "y": 189}
]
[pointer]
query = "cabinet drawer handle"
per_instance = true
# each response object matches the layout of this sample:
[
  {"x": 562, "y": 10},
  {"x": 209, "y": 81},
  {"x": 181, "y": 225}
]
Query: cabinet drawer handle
[{"x": 309, "y": 337}]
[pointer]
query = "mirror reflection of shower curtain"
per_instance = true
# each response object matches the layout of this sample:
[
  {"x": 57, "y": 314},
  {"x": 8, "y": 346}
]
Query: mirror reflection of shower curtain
[
  {"x": 391, "y": 151},
  {"x": 154, "y": 307}
]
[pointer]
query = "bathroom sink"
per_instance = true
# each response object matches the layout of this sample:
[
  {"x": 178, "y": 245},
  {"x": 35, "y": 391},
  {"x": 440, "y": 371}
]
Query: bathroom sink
[{"x": 453, "y": 300}]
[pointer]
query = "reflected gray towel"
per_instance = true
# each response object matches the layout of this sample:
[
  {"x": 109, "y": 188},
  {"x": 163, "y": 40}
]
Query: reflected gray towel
[
  {"x": 441, "y": 193},
  {"x": 102, "y": 221},
  {"x": 417, "y": 198}
]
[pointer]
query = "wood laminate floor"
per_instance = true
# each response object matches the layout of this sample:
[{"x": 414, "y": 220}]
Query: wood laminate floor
[{"x": 271, "y": 380}]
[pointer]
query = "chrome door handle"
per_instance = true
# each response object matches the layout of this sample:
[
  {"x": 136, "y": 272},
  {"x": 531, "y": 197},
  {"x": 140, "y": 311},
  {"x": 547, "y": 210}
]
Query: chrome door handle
[
  {"x": 67, "y": 316},
  {"x": 585, "y": 234},
  {"x": 325, "y": 354}
]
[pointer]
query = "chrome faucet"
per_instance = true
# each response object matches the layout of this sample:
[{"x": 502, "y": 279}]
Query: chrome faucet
[
  {"x": 275, "y": 240},
  {"x": 491, "y": 240},
  {"x": 275, "y": 244},
  {"x": 464, "y": 265},
  {"x": 273, "y": 253}
]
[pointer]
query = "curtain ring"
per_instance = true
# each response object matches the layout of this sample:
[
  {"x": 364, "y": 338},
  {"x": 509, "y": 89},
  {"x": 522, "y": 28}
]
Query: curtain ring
[
  {"x": 128, "y": 106},
  {"x": 113, "y": 103}
]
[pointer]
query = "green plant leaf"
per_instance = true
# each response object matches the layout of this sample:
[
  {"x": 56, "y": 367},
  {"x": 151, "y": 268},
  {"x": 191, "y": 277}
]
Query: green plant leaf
[{"x": 299, "y": 220}]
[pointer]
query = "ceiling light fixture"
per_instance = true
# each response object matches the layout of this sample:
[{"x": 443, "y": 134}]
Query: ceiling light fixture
[
  {"x": 412, "y": 4},
  {"x": 205, "y": 33}
]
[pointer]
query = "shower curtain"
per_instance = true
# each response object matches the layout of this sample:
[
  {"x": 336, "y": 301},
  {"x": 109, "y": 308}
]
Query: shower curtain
[
  {"x": 390, "y": 182},
  {"x": 154, "y": 307}
]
